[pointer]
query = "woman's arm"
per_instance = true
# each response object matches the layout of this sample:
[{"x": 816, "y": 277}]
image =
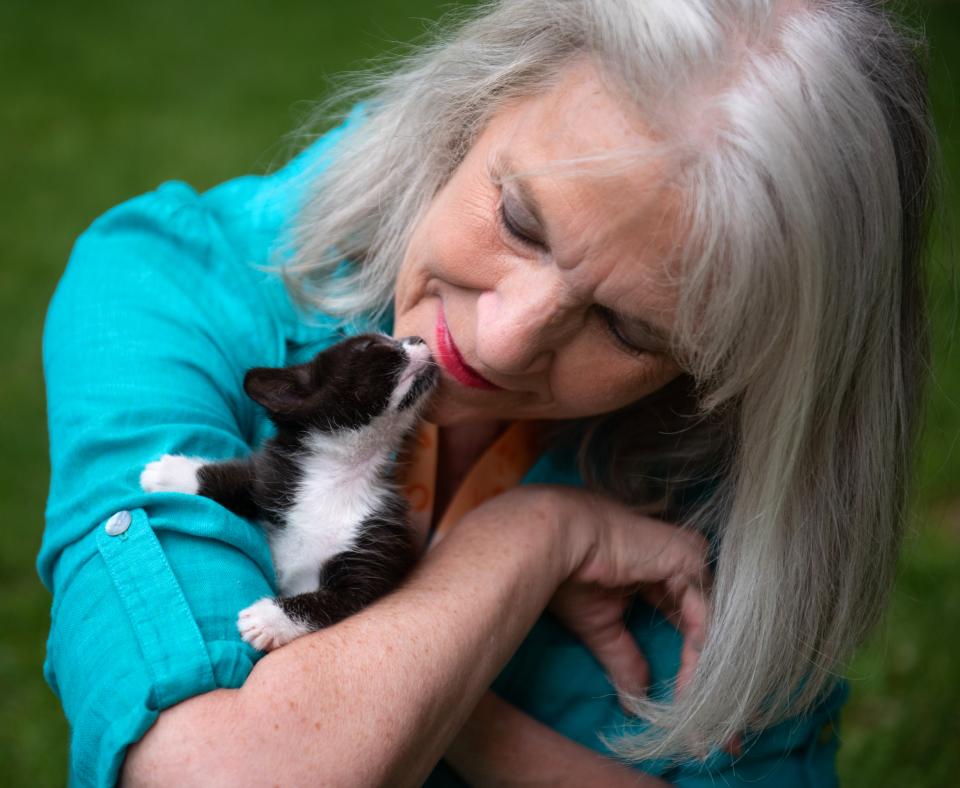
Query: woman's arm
[
  {"x": 378, "y": 698},
  {"x": 502, "y": 746}
]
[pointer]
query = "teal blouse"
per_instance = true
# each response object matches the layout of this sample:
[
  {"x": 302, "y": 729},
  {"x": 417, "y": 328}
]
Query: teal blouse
[{"x": 163, "y": 306}]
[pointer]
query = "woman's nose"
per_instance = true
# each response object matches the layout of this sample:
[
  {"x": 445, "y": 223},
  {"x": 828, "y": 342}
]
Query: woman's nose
[{"x": 521, "y": 322}]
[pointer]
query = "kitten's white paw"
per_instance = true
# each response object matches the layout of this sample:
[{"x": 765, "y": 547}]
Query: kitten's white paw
[
  {"x": 265, "y": 626},
  {"x": 172, "y": 473}
]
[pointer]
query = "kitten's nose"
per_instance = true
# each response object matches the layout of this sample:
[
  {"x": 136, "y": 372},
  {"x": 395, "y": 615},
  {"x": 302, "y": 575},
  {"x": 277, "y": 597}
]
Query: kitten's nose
[{"x": 417, "y": 351}]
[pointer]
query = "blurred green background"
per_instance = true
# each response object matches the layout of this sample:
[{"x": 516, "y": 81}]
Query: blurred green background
[{"x": 102, "y": 101}]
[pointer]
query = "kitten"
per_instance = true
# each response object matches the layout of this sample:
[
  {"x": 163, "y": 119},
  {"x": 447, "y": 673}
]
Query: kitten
[{"x": 322, "y": 486}]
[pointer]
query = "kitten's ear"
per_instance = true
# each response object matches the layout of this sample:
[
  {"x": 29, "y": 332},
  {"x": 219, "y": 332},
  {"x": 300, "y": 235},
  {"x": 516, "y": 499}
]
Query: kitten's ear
[{"x": 283, "y": 391}]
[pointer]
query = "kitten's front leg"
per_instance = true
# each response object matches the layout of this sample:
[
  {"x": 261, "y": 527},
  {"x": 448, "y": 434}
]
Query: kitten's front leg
[
  {"x": 273, "y": 622},
  {"x": 229, "y": 483}
]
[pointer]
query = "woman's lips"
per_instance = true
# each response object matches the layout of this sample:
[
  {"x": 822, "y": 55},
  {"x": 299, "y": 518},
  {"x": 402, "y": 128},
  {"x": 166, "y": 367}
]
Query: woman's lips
[{"x": 451, "y": 360}]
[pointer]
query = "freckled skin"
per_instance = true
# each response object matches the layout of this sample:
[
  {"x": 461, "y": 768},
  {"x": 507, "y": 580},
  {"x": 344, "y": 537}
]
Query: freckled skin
[{"x": 525, "y": 318}]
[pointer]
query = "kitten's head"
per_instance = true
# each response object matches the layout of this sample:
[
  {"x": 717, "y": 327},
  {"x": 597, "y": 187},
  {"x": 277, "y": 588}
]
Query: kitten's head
[{"x": 350, "y": 385}]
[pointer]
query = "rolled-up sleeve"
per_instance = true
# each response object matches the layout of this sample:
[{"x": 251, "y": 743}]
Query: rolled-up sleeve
[{"x": 145, "y": 344}]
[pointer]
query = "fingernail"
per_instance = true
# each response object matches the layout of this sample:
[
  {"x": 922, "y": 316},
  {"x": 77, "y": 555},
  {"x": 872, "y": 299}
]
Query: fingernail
[
  {"x": 735, "y": 746},
  {"x": 625, "y": 705},
  {"x": 625, "y": 697}
]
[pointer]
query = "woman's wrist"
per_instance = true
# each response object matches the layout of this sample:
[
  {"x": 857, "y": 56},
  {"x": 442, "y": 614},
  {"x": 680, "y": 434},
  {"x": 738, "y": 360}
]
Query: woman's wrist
[
  {"x": 548, "y": 520},
  {"x": 574, "y": 514}
]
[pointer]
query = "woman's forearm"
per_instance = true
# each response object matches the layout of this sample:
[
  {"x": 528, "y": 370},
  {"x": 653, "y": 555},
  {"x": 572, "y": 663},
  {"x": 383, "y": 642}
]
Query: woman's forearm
[
  {"x": 377, "y": 698},
  {"x": 501, "y": 746}
]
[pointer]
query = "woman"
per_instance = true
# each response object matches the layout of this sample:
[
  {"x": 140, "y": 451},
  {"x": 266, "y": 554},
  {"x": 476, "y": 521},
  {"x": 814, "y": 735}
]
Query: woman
[{"x": 689, "y": 235}]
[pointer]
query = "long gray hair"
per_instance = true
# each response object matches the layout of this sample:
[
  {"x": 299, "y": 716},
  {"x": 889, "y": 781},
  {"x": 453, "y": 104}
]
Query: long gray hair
[{"x": 801, "y": 142}]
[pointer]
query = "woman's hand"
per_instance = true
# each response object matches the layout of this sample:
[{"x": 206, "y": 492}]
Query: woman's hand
[
  {"x": 611, "y": 552},
  {"x": 633, "y": 554},
  {"x": 629, "y": 553}
]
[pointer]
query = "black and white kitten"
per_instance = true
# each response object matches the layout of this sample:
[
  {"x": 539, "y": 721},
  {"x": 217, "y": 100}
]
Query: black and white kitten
[{"x": 323, "y": 485}]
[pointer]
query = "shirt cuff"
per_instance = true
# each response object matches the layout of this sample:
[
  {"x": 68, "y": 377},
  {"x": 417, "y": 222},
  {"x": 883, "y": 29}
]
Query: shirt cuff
[{"x": 146, "y": 621}]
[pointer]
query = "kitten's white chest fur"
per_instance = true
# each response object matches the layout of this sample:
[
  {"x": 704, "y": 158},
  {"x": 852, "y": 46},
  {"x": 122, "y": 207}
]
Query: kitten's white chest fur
[{"x": 340, "y": 488}]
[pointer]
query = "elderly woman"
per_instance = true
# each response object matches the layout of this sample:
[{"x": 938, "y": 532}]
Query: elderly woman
[{"x": 679, "y": 244}]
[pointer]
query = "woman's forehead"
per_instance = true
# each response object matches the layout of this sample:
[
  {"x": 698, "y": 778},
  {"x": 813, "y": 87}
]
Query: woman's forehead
[
  {"x": 581, "y": 146},
  {"x": 589, "y": 173},
  {"x": 580, "y": 118}
]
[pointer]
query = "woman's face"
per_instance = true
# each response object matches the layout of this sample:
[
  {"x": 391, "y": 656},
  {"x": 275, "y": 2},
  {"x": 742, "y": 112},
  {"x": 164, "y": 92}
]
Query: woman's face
[{"x": 545, "y": 296}]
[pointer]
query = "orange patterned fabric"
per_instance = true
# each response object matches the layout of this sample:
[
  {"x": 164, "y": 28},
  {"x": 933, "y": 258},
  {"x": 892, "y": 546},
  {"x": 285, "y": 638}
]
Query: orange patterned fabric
[{"x": 502, "y": 466}]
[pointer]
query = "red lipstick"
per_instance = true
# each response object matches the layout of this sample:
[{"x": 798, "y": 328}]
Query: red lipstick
[{"x": 451, "y": 360}]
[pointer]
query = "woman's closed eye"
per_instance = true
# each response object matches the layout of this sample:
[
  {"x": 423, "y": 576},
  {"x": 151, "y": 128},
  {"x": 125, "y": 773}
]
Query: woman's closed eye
[
  {"x": 516, "y": 228},
  {"x": 615, "y": 329}
]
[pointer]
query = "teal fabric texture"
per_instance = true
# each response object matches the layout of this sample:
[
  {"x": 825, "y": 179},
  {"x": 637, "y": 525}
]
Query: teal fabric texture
[{"x": 166, "y": 301}]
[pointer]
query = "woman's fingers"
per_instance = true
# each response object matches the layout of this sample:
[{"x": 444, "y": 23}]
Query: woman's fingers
[
  {"x": 665, "y": 563},
  {"x": 691, "y": 619},
  {"x": 621, "y": 658},
  {"x": 596, "y": 616},
  {"x": 693, "y": 627},
  {"x": 683, "y": 603},
  {"x": 735, "y": 746}
]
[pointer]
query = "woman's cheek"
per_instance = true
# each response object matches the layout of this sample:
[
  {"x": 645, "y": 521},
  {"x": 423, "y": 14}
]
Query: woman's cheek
[
  {"x": 606, "y": 383},
  {"x": 456, "y": 244}
]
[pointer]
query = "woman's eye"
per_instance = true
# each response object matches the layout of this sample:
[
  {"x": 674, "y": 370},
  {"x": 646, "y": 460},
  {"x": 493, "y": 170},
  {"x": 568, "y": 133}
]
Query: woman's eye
[
  {"x": 614, "y": 329},
  {"x": 514, "y": 230}
]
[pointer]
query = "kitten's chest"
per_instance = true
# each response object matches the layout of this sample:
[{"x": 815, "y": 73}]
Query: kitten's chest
[{"x": 325, "y": 517}]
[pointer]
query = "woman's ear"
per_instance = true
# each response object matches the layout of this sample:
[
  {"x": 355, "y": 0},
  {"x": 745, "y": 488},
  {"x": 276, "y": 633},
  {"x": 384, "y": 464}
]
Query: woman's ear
[{"x": 283, "y": 391}]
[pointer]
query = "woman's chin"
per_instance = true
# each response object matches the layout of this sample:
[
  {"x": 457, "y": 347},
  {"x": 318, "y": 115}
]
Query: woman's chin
[{"x": 454, "y": 404}]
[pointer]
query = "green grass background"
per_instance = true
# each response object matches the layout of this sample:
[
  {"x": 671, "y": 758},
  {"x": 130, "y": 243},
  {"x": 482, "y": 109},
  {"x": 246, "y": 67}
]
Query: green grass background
[{"x": 101, "y": 101}]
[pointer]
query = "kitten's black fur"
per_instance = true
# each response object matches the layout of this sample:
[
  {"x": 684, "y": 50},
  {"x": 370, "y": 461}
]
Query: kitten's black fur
[{"x": 349, "y": 408}]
